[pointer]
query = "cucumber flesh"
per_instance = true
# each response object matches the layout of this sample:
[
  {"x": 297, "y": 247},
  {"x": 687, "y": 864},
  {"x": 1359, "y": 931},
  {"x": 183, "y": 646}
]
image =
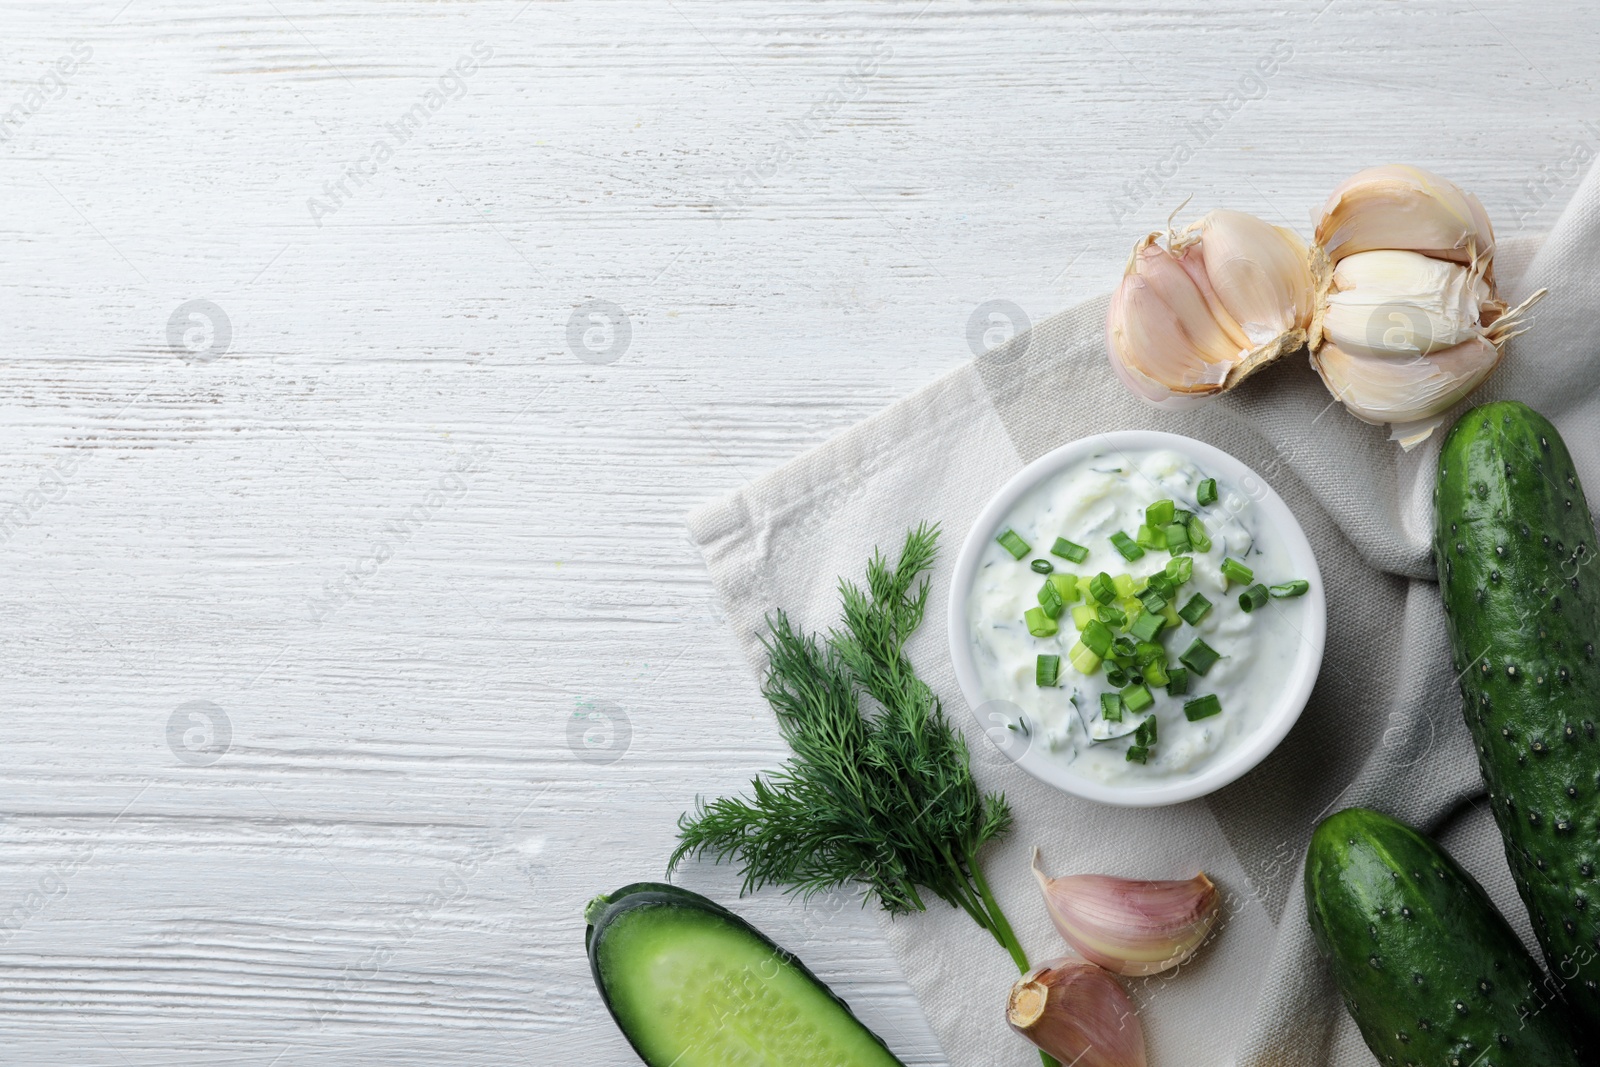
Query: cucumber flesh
[
  {"x": 1514, "y": 544},
  {"x": 692, "y": 985},
  {"x": 1430, "y": 971}
]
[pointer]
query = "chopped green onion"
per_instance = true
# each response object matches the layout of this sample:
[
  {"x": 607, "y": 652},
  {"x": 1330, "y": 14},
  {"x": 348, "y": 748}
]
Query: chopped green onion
[
  {"x": 1046, "y": 670},
  {"x": 1170, "y": 613},
  {"x": 1177, "y": 538},
  {"x": 1042, "y": 566},
  {"x": 1127, "y": 546},
  {"x": 1040, "y": 624},
  {"x": 1152, "y": 599},
  {"x": 1069, "y": 551},
  {"x": 1138, "y": 753},
  {"x": 1198, "y": 538},
  {"x": 1117, "y": 676},
  {"x": 1146, "y": 626},
  {"x": 1177, "y": 682},
  {"x": 1082, "y": 615},
  {"x": 1162, "y": 583},
  {"x": 1196, "y": 609},
  {"x": 1066, "y": 584},
  {"x": 1234, "y": 571},
  {"x": 1137, "y": 698},
  {"x": 1050, "y": 600},
  {"x": 1206, "y": 492},
  {"x": 1098, "y": 638},
  {"x": 1182, "y": 517},
  {"x": 1101, "y": 588},
  {"x": 1124, "y": 646},
  {"x": 1155, "y": 673},
  {"x": 1253, "y": 598},
  {"x": 1199, "y": 657},
  {"x": 1146, "y": 733},
  {"x": 1160, "y": 513},
  {"x": 1013, "y": 544},
  {"x": 1148, "y": 538},
  {"x": 1123, "y": 583},
  {"x": 1201, "y": 707},
  {"x": 1180, "y": 568},
  {"x": 1149, "y": 652},
  {"x": 1298, "y": 587},
  {"x": 1111, "y": 707},
  {"x": 1113, "y": 616},
  {"x": 1083, "y": 658}
]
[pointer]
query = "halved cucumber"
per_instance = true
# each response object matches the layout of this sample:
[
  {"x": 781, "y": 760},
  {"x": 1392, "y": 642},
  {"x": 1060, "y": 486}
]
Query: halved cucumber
[{"x": 691, "y": 984}]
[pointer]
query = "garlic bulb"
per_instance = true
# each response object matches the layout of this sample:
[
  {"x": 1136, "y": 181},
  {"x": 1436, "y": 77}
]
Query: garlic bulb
[
  {"x": 1408, "y": 321},
  {"x": 1130, "y": 926},
  {"x": 1404, "y": 207},
  {"x": 1227, "y": 295},
  {"x": 1077, "y": 1013},
  {"x": 1395, "y": 302}
]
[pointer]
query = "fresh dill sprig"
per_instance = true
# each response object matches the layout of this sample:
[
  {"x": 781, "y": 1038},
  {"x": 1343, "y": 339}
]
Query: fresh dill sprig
[{"x": 880, "y": 790}]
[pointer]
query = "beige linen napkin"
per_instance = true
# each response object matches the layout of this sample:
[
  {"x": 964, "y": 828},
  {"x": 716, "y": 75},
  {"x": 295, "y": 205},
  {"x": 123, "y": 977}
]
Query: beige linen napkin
[{"x": 1382, "y": 728}]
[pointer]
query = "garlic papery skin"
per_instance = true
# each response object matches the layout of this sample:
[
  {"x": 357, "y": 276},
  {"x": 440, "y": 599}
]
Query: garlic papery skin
[
  {"x": 1127, "y": 925},
  {"x": 1077, "y": 1013},
  {"x": 1227, "y": 296},
  {"x": 1401, "y": 304},
  {"x": 1408, "y": 208},
  {"x": 1413, "y": 394}
]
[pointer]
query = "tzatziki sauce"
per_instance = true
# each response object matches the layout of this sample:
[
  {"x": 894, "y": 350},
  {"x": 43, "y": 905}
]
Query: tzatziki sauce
[{"x": 1087, "y": 503}]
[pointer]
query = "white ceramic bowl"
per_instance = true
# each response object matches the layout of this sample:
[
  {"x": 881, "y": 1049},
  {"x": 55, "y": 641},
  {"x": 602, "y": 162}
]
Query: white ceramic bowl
[{"x": 1277, "y": 720}]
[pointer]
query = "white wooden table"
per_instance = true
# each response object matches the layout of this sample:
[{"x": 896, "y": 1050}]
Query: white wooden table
[{"x": 362, "y": 359}]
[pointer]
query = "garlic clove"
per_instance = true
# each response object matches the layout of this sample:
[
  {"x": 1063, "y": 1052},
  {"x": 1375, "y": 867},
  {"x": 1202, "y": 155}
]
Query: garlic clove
[
  {"x": 1396, "y": 303},
  {"x": 1077, "y": 1013},
  {"x": 1193, "y": 261},
  {"x": 1261, "y": 273},
  {"x": 1127, "y": 925},
  {"x": 1177, "y": 289},
  {"x": 1405, "y": 207},
  {"x": 1151, "y": 351},
  {"x": 1411, "y": 394}
]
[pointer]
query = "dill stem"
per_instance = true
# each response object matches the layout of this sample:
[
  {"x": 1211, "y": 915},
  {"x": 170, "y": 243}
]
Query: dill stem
[
  {"x": 972, "y": 907},
  {"x": 962, "y": 892},
  {"x": 999, "y": 926}
]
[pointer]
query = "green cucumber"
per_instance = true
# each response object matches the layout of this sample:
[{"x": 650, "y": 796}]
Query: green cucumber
[
  {"x": 1431, "y": 972},
  {"x": 691, "y": 984},
  {"x": 1513, "y": 541}
]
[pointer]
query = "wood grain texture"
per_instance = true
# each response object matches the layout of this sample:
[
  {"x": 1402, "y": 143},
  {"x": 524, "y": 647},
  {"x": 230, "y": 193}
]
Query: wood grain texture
[{"x": 388, "y": 525}]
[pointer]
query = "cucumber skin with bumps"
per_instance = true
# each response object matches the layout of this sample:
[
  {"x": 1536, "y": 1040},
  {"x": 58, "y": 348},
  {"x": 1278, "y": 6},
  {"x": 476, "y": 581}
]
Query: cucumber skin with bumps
[
  {"x": 1430, "y": 971},
  {"x": 1513, "y": 541},
  {"x": 605, "y": 911}
]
